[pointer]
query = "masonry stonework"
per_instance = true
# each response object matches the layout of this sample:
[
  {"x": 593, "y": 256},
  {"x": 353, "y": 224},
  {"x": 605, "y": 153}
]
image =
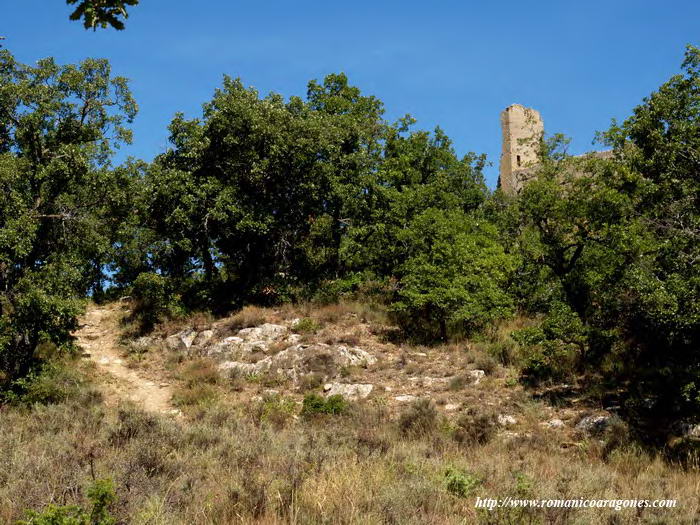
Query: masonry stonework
[{"x": 522, "y": 130}]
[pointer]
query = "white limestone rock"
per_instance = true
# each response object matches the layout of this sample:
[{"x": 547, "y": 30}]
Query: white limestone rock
[{"x": 348, "y": 391}]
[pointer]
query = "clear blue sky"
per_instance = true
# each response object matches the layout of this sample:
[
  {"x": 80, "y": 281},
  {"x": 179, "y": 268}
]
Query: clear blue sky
[{"x": 456, "y": 64}]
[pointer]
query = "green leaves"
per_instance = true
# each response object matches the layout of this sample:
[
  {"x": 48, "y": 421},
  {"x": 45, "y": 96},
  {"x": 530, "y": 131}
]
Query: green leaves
[
  {"x": 101, "y": 13},
  {"x": 455, "y": 274},
  {"x": 616, "y": 240},
  {"x": 60, "y": 198}
]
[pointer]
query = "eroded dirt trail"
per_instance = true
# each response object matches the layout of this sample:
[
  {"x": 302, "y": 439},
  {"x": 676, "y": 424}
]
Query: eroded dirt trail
[{"x": 98, "y": 336}]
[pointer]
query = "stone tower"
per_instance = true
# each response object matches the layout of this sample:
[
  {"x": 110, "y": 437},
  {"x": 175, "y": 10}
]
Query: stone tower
[{"x": 522, "y": 129}]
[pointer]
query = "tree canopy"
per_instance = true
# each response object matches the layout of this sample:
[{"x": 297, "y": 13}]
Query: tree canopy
[
  {"x": 101, "y": 13},
  {"x": 263, "y": 199}
]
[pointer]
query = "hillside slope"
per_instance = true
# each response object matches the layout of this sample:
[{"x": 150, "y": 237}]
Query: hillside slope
[{"x": 430, "y": 436}]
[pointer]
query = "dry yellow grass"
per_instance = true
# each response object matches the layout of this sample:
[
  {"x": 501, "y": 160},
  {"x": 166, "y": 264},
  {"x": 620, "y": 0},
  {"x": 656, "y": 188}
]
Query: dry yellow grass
[
  {"x": 241, "y": 454},
  {"x": 228, "y": 464}
]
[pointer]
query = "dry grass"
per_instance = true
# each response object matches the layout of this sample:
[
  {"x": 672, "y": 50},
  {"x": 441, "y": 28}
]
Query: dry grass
[
  {"x": 197, "y": 321},
  {"x": 248, "y": 317},
  {"x": 257, "y": 463},
  {"x": 198, "y": 378},
  {"x": 244, "y": 454}
]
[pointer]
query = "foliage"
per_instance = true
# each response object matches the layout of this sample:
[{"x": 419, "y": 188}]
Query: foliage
[
  {"x": 454, "y": 274},
  {"x": 306, "y": 326},
  {"x": 315, "y": 404},
  {"x": 101, "y": 495},
  {"x": 460, "y": 483},
  {"x": 101, "y": 13},
  {"x": 658, "y": 300},
  {"x": 555, "y": 349},
  {"x": 155, "y": 300},
  {"x": 264, "y": 200},
  {"x": 61, "y": 202},
  {"x": 54, "y": 382},
  {"x": 419, "y": 418},
  {"x": 475, "y": 426},
  {"x": 611, "y": 246}
]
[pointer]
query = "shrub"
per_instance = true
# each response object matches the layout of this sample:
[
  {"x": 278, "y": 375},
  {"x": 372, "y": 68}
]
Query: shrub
[
  {"x": 315, "y": 404},
  {"x": 552, "y": 350},
  {"x": 200, "y": 371},
  {"x": 419, "y": 418},
  {"x": 311, "y": 381},
  {"x": 475, "y": 427},
  {"x": 459, "y": 382},
  {"x": 155, "y": 300},
  {"x": 200, "y": 394},
  {"x": 52, "y": 382},
  {"x": 248, "y": 317},
  {"x": 101, "y": 496},
  {"x": 39, "y": 313},
  {"x": 276, "y": 409},
  {"x": 132, "y": 424},
  {"x": 455, "y": 276},
  {"x": 505, "y": 352},
  {"x": 460, "y": 483},
  {"x": 486, "y": 363},
  {"x": 306, "y": 326}
]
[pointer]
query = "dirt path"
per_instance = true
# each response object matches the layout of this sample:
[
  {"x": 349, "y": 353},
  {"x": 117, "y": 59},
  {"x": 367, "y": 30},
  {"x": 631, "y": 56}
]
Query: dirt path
[{"x": 98, "y": 336}]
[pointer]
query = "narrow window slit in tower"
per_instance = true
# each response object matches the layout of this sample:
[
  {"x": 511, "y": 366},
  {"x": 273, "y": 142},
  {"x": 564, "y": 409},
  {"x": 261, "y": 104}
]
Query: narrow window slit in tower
[{"x": 517, "y": 160}]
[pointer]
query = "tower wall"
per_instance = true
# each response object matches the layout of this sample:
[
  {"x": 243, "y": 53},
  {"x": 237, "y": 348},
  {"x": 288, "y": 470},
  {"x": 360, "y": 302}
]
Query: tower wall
[{"x": 522, "y": 129}]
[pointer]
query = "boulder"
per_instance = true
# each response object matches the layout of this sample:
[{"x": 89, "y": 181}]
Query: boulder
[
  {"x": 477, "y": 375},
  {"x": 292, "y": 339},
  {"x": 203, "y": 338},
  {"x": 181, "y": 340},
  {"x": 234, "y": 348},
  {"x": 355, "y": 356},
  {"x": 687, "y": 429},
  {"x": 142, "y": 344},
  {"x": 264, "y": 332},
  {"x": 223, "y": 348},
  {"x": 554, "y": 423},
  {"x": 299, "y": 360},
  {"x": 693, "y": 431},
  {"x": 405, "y": 398},
  {"x": 428, "y": 382},
  {"x": 593, "y": 424},
  {"x": 349, "y": 391},
  {"x": 236, "y": 366},
  {"x": 506, "y": 420}
]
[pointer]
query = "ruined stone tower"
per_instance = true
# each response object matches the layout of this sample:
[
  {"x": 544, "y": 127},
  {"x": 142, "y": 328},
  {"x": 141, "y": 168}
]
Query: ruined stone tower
[{"x": 522, "y": 128}]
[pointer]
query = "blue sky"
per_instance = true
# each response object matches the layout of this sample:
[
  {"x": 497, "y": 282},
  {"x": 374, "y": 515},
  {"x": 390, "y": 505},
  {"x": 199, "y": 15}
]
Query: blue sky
[{"x": 455, "y": 64}]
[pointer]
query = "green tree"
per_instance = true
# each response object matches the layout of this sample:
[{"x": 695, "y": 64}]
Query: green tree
[
  {"x": 454, "y": 274},
  {"x": 254, "y": 198},
  {"x": 659, "y": 300},
  {"x": 616, "y": 240},
  {"x": 60, "y": 198},
  {"x": 101, "y": 13},
  {"x": 417, "y": 171}
]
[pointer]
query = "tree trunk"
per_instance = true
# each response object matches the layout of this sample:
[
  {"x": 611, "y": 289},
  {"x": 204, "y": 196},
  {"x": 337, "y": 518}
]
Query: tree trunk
[{"x": 443, "y": 329}]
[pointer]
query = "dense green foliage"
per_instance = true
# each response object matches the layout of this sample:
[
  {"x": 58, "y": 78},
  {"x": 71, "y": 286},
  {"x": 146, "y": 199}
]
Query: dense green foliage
[
  {"x": 315, "y": 404},
  {"x": 101, "y": 13},
  {"x": 615, "y": 244},
  {"x": 60, "y": 201},
  {"x": 266, "y": 200}
]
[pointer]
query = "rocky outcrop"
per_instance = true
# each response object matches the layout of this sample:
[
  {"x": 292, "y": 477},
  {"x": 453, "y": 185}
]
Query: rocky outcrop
[
  {"x": 182, "y": 340},
  {"x": 554, "y": 423},
  {"x": 505, "y": 420},
  {"x": 594, "y": 424},
  {"x": 348, "y": 391},
  {"x": 302, "y": 359},
  {"x": 477, "y": 375}
]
